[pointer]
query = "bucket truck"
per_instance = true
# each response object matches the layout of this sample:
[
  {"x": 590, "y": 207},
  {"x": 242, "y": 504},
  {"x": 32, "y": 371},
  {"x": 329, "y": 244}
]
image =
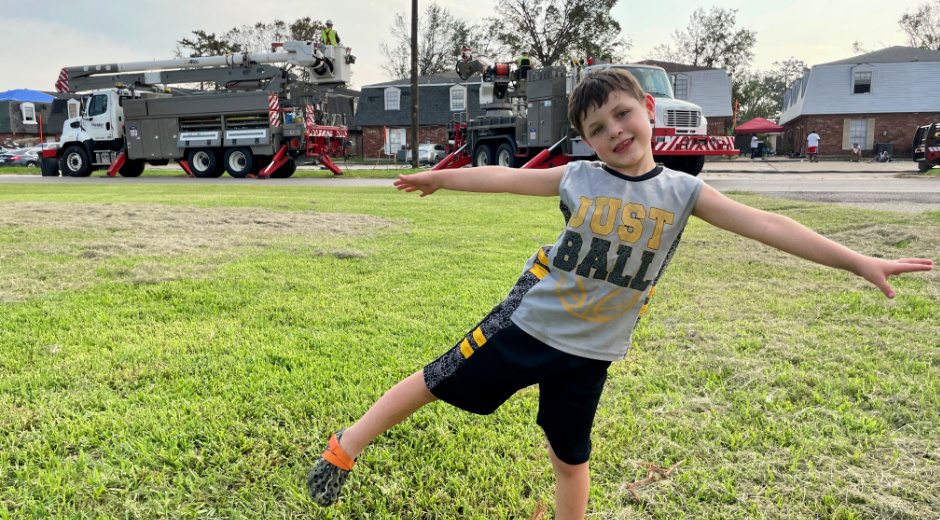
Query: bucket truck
[
  {"x": 527, "y": 115},
  {"x": 259, "y": 121}
]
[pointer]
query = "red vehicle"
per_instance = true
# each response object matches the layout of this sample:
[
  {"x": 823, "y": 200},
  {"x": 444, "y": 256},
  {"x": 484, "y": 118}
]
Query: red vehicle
[{"x": 927, "y": 147}]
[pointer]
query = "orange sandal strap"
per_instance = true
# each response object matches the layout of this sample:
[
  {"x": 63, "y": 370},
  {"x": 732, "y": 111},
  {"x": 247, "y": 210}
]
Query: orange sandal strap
[{"x": 335, "y": 455}]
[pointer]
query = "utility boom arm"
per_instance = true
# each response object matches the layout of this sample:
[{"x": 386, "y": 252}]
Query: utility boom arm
[{"x": 325, "y": 64}]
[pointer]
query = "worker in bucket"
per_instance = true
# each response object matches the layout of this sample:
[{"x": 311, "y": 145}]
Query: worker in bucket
[{"x": 329, "y": 36}]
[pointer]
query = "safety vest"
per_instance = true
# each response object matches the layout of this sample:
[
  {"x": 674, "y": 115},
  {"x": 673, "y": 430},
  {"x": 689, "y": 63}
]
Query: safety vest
[
  {"x": 523, "y": 57},
  {"x": 329, "y": 37}
]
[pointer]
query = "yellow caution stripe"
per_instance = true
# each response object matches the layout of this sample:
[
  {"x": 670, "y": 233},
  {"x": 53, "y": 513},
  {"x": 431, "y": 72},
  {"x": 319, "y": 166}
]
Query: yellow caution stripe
[{"x": 479, "y": 337}]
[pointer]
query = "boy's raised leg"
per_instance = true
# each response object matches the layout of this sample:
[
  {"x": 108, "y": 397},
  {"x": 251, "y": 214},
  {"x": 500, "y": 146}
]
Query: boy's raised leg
[
  {"x": 329, "y": 473},
  {"x": 572, "y": 485},
  {"x": 395, "y": 406}
]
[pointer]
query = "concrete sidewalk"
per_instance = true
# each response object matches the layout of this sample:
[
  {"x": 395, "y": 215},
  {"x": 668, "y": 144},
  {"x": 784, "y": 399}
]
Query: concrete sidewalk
[{"x": 783, "y": 165}]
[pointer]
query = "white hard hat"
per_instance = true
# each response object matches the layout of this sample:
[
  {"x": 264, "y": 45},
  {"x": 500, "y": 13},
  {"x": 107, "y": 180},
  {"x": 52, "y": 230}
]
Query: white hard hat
[{"x": 329, "y": 22}]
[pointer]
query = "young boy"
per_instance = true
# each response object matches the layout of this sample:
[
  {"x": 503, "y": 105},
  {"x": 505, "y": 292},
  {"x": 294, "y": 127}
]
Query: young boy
[{"x": 573, "y": 310}]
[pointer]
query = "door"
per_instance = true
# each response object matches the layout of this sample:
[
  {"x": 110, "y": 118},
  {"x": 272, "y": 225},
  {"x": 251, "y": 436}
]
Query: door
[
  {"x": 97, "y": 120},
  {"x": 396, "y": 139}
]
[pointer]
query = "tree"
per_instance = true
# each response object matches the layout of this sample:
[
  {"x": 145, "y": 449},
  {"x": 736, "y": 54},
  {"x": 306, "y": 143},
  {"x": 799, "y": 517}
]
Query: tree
[
  {"x": 255, "y": 38},
  {"x": 787, "y": 71},
  {"x": 711, "y": 40},
  {"x": 439, "y": 34},
  {"x": 258, "y": 38},
  {"x": 922, "y": 26},
  {"x": 205, "y": 44},
  {"x": 759, "y": 94},
  {"x": 555, "y": 31}
]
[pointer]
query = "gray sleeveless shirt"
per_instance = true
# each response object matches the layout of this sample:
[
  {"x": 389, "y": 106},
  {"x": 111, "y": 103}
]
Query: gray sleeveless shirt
[{"x": 597, "y": 279}]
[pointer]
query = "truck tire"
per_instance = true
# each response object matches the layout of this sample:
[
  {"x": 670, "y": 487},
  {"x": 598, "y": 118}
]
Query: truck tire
[
  {"x": 483, "y": 155},
  {"x": 286, "y": 170},
  {"x": 506, "y": 155},
  {"x": 691, "y": 164},
  {"x": 203, "y": 162},
  {"x": 75, "y": 162},
  {"x": 238, "y": 161},
  {"x": 132, "y": 168},
  {"x": 923, "y": 166}
]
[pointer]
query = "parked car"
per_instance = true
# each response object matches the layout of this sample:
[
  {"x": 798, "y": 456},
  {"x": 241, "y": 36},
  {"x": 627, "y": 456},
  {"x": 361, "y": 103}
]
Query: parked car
[
  {"x": 429, "y": 153},
  {"x": 28, "y": 157}
]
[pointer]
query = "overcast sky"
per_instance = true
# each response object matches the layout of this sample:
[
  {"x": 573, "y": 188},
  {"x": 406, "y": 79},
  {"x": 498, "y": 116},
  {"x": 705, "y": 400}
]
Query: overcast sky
[{"x": 40, "y": 37}]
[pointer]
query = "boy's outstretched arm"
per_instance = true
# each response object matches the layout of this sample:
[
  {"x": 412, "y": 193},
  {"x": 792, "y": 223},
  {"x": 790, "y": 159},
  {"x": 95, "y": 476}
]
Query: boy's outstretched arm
[
  {"x": 792, "y": 237},
  {"x": 485, "y": 179}
]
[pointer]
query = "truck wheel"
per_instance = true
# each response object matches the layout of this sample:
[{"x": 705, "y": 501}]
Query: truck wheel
[
  {"x": 506, "y": 156},
  {"x": 691, "y": 164},
  {"x": 483, "y": 155},
  {"x": 202, "y": 162},
  {"x": 238, "y": 162},
  {"x": 75, "y": 162},
  {"x": 286, "y": 170},
  {"x": 132, "y": 168},
  {"x": 923, "y": 166}
]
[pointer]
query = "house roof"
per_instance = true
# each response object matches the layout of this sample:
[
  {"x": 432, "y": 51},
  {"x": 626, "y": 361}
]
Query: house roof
[
  {"x": 430, "y": 79},
  {"x": 896, "y": 54},
  {"x": 675, "y": 67},
  {"x": 340, "y": 91}
]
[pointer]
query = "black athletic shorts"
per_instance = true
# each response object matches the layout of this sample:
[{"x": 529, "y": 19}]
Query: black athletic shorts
[{"x": 502, "y": 360}]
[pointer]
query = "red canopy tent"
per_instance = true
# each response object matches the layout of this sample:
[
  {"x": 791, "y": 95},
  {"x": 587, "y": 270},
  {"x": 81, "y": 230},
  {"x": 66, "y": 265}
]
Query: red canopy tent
[{"x": 758, "y": 125}]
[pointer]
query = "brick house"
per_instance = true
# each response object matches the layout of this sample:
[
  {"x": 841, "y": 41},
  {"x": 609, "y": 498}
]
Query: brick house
[
  {"x": 876, "y": 99},
  {"x": 20, "y": 120},
  {"x": 706, "y": 87},
  {"x": 384, "y": 111}
]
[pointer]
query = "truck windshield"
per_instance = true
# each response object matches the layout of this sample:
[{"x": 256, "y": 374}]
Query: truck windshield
[{"x": 655, "y": 82}]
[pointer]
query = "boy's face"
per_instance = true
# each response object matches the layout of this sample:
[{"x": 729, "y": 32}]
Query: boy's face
[{"x": 620, "y": 132}]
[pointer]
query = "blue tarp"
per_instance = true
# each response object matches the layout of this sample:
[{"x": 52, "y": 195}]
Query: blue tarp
[{"x": 22, "y": 94}]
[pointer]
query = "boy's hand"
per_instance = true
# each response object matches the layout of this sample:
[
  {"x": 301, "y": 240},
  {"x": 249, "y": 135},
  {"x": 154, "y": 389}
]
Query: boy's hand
[
  {"x": 877, "y": 271},
  {"x": 423, "y": 181}
]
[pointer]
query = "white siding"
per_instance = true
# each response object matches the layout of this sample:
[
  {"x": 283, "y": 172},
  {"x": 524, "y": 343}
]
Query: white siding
[
  {"x": 711, "y": 90},
  {"x": 895, "y": 87}
]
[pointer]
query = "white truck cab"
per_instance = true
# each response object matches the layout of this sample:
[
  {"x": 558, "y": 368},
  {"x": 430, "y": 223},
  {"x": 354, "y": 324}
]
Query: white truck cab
[
  {"x": 686, "y": 118},
  {"x": 101, "y": 118}
]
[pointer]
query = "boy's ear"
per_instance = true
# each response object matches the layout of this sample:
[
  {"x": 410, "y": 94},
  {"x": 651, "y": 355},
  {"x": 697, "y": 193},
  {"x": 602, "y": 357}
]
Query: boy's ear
[{"x": 651, "y": 107}]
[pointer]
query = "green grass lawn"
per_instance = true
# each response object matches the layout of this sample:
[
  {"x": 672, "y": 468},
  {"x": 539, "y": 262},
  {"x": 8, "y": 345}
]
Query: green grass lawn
[
  {"x": 185, "y": 351},
  {"x": 377, "y": 171}
]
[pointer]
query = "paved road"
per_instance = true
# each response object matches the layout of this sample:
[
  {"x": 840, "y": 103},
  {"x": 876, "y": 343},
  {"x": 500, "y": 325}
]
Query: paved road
[{"x": 879, "y": 186}]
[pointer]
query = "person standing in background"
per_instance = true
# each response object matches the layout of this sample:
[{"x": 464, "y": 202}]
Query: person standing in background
[{"x": 812, "y": 146}]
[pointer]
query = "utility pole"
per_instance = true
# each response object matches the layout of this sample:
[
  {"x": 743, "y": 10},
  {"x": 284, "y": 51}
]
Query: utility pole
[{"x": 414, "y": 83}]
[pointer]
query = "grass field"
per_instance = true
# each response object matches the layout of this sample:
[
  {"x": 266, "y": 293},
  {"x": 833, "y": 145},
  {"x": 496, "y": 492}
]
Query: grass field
[
  {"x": 185, "y": 351},
  {"x": 380, "y": 171}
]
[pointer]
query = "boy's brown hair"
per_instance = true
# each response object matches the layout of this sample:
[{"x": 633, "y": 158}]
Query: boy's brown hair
[{"x": 594, "y": 89}]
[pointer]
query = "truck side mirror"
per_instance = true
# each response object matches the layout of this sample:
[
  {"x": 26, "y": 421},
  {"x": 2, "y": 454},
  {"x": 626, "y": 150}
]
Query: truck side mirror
[{"x": 74, "y": 124}]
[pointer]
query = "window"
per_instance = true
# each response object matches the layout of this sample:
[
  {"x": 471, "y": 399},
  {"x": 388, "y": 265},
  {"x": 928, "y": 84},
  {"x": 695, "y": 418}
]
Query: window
[
  {"x": 682, "y": 88},
  {"x": 392, "y": 98},
  {"x": 862, "y": 84},
  {"x": 458, "y": 97},
  {"x": 858, "y": 132},
  {"x": 29, "y": 113},
  {"x": 98, "y": 106}
]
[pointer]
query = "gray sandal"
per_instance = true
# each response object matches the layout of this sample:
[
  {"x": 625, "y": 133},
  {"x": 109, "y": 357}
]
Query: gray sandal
[{"x": 329, "y": 473}]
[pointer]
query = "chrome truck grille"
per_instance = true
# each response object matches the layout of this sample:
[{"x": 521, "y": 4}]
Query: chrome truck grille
[{"x": 683, "y": 118}]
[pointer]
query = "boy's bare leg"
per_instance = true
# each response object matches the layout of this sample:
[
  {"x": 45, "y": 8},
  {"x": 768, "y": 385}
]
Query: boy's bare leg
[
  {"x": 395, "y": 406},
  {"x": 572, "y": 484}
]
